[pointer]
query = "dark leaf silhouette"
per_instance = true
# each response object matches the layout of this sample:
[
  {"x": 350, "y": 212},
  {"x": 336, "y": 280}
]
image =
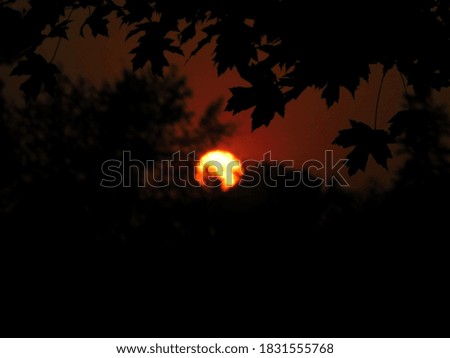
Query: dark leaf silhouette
[
  {"x": 330, "y": 76},
  {"x": 379, "y": 147},
  {"x": 265, "y": 96},
  {"x": 398, "y": 123},
  {"x": 235, "y": 45},
  {"x": 406, "y": 120},
  {"x": 135, "y": 11},
  {"x": 152, "y": 45},
  {"x": 60, "y": 30},
  {"x": 97, "y": 21},
  {"x": 188, "y": 33},
  {"x": 266, "y": 104},
  {"x": 41, "y": 74},
  {"x": 210, "y": 31},
  {"x": 357, "y": 159},
  {"x": 366, "y": 141},
  {"x": 243, "y": 98},
  {"x": 331, "y": 94}
]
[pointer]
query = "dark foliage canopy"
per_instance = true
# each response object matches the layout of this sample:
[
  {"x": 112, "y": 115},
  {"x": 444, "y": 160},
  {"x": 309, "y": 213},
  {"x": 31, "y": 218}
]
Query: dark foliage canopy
[{"x": 280, "y": 47}]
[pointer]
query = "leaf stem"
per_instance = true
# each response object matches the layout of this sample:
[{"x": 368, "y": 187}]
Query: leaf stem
[
  {"x": 59, "y": 39},
  {"x": 56, "y": 50},
  {"x": 378, "y": 100},
  {"x": 405, "y": 89}
]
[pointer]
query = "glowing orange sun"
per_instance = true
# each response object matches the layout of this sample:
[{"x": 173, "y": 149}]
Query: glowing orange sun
[{"x": 218, "y": 165}]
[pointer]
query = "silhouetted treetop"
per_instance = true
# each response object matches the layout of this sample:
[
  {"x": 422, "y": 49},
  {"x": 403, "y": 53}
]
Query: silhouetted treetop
[{"x": 280, "y": 47}]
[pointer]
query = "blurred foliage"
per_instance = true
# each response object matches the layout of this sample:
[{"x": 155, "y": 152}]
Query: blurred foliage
[
  {"x": 54, "y": 150},
  {"x": 127, "y": 260}
]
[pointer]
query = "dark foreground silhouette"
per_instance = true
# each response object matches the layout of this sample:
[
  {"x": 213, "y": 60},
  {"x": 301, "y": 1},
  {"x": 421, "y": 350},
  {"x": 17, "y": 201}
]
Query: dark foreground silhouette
[{"x": 81, "y": 260}]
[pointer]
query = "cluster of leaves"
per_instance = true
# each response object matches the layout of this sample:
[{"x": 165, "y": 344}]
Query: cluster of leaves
[
  {"x": 280, "y": 49},
  {"x": 409, "y": 127}
]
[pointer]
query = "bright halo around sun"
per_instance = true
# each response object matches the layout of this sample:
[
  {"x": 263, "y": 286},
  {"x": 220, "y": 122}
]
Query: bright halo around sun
[{"x": 218, "y": 165}]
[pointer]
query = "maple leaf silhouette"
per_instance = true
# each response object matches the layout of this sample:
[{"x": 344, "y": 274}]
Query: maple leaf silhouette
[
  {"x": 151, "y": 47},
  {"x": 367, "y": 141},
  {"x": 41, "y": 74}
]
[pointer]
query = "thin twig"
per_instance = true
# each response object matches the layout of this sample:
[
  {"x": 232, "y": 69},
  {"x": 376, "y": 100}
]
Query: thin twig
[
  {"x": 59, "y": 40},
  {"x": 405, "y": 89},
  {"x": 378, "y": 100}
]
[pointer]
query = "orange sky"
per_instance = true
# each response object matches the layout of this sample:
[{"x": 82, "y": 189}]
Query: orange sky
[{"x": 307, "y": 130}]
